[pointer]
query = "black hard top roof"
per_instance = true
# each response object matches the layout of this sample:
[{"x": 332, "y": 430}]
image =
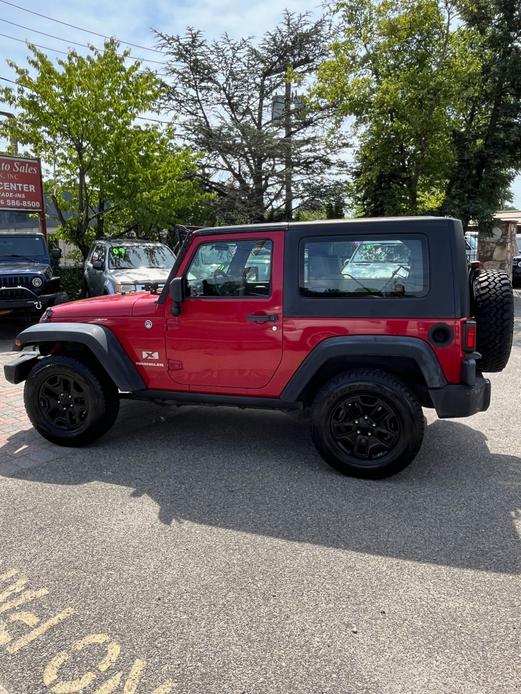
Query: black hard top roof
[{"x": 287, "y": 226}]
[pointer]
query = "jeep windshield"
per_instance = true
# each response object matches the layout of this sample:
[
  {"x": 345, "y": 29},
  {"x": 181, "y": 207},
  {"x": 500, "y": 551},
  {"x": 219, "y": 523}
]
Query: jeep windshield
[
  {"x": 131, "y": 257},
  {"x": 30, "y": 248}
]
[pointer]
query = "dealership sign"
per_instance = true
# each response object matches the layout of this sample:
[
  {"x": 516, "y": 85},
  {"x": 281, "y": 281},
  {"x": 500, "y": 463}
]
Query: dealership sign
[{"x": 21, "y": 184}]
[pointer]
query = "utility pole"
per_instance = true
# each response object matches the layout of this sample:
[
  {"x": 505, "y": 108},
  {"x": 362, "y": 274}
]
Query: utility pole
[{"x": 288, "y": 155}]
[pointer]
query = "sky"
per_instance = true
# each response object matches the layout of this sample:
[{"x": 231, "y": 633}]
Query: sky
[{"x": 134, "y": 21}]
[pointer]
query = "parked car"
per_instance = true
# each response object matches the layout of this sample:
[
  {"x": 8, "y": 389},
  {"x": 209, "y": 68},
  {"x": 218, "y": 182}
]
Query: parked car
[
  {"x": 471, "y": 245},
  {"x": 116, "y": 266},
  {"x": 362, "y": 350},
  {"x": 386, "y": 265},
  {"x": 516, "y": 264},
  {"x": 27, "y": 277}
]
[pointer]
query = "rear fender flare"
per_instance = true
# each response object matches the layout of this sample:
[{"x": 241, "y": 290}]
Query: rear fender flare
[{"x": 365, "y": 346}]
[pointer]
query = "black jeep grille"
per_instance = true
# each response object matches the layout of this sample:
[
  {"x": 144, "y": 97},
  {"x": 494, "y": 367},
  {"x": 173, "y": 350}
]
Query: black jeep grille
[{"x": 12, "y": 282}]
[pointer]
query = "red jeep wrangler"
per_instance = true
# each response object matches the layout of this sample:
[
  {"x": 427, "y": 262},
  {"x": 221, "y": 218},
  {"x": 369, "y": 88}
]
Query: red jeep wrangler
[{"x": 362, "y": 322}]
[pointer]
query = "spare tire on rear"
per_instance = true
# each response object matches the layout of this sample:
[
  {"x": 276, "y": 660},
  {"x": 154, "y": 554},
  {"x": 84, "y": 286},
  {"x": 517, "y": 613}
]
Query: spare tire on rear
[{"x": 493, "y": 308}]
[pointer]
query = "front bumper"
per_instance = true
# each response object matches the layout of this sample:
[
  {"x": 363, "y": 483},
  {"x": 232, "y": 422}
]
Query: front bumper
[
  {"x": 27, "y": 299},
  {"x": 18, "y": 370},
  {"x": 461, "y": 400}
]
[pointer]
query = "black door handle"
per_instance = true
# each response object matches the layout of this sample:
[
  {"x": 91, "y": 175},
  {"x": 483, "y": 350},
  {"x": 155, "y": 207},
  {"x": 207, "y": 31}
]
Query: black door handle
[{"x": 266, "y": 318}]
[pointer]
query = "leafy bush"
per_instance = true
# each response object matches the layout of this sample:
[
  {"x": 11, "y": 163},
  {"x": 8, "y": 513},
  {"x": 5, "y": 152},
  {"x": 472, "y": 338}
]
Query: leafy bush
[{"x": 71, "y": 281}]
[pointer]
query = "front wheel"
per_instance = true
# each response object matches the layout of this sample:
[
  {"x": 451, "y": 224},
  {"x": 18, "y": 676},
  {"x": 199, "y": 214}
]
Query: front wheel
[
  {"x": 68, "y": 403},
  {"x": 367, "y": 423}
]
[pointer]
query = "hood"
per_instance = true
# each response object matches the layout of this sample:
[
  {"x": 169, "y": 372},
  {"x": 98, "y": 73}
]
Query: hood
[
  {"x": 141, "y": 275},
  {"x": 375, "y": 271},
  {"x": 23, "y": 267},
  {"x": 98, "y": 307}
]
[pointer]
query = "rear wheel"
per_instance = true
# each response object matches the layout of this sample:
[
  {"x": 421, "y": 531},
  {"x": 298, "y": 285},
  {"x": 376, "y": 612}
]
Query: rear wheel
[
  {"x": 494, "y": 312},
  {"x": 68, "y": 403},
  {"x": 367, "y": 423}
]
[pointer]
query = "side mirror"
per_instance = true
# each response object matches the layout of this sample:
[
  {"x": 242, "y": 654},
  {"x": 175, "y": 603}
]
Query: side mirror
[
  {"x": 97, "y": 265},
  {"x": 56, "y": 253},
  {"x": 177, "y": 294}
]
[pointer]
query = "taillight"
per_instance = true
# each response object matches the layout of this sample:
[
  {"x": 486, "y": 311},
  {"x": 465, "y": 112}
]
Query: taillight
[{"x": 469, "y": 336}]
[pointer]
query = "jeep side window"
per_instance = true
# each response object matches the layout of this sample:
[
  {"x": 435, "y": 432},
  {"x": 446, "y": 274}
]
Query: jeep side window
[
  {"x": 338, "y": 267},
  {"x": 231, "y": 269}
]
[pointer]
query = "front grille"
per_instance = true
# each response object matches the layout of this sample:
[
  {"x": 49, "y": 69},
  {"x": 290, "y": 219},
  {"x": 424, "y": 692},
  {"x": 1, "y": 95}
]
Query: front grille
[
  {"x": 16, "y": 281},
  {"x": 11, "y": 283}
]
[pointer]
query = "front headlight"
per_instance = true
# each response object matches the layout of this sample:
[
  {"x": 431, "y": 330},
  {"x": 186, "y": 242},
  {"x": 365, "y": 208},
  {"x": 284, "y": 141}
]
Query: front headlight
[
  {"x": 37, "y": 282},
  {"x": 124, "y": 288}
]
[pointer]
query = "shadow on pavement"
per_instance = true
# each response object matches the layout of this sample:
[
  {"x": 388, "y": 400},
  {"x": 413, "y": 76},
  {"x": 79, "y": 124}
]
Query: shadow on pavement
[
  {"x": 11, "y": 325},
  {"x": 258, "y": 473}
]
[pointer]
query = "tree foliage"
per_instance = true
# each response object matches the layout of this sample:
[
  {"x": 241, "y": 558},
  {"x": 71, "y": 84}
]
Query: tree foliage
[
  {"x": 486, "y": 132},
  {"x": 223, "y": 91},
  {"x": 432, "y": 88},
  {"x": 106, "y": 174}
]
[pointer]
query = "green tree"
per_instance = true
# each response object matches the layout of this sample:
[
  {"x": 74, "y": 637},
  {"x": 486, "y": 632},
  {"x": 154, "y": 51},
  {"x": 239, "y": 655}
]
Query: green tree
[
  {"x": 393, "y": 71},
  {"x": 106, "y": 174},
  {"x": 486, "y": 128},
  {"x": 432, "y": 89},
  {"x": 235, "y": 98}
]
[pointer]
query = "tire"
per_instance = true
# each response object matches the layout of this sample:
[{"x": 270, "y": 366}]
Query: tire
[
  {"x": 367, "y": 444},
  {"x": 57, "y": 383},
  {"x": 493, "y": 307}
]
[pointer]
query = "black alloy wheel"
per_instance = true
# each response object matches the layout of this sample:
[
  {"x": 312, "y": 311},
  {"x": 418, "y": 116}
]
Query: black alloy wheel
[
  {"x": 367, "y": 423},
  {"x": 69, "y": 402},
  {"x": 365, "y": 426},
  {"x": 64, "y": 402}
]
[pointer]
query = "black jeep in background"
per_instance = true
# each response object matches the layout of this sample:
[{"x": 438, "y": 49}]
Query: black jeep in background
[{"x": 27, "y": 278}]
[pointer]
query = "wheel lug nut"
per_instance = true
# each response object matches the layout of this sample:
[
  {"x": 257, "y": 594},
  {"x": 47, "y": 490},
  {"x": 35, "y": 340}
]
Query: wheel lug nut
[
  {"x": 369, "y": 434},
  {"x": 356, "y": 421},
  {"x": 374, "y": 425},
  {"x": 358, "y": 431},
  {"x": 365, "y": 417}
]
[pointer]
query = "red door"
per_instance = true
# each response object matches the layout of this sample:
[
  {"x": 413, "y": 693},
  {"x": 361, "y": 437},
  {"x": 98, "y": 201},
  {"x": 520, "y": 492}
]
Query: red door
[{"x": 229, "y": 333}]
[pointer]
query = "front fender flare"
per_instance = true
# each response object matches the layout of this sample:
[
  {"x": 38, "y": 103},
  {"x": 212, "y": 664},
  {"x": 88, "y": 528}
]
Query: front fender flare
[{"x": 99, "y": 340}]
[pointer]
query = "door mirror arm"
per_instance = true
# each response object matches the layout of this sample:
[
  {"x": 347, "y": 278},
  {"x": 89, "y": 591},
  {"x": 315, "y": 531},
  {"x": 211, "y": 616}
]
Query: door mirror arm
[{"x": 177, "y": 294}]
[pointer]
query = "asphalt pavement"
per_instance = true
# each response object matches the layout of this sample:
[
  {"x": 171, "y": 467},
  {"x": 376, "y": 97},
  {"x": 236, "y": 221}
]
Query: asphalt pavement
[{"x": 210, "y": 550}]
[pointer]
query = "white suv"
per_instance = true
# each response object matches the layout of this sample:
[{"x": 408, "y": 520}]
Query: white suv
[{"x": 116, "y": 266}]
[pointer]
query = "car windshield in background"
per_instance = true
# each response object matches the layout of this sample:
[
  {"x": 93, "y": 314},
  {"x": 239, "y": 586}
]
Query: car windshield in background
[
  {"x": 518, "y": 239},
  {"x": 374, "y": 252},
  {"x": 472, "y": 240},
  {"x": 217, "y": 254},
  {"x": 21, "y": 247},
  {"x": 132, "y": 256}
]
